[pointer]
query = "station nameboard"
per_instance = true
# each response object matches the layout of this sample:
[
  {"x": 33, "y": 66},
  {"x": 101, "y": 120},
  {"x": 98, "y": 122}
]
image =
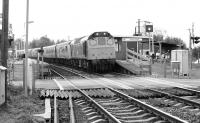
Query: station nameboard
[{"x": 131, "y": 39}]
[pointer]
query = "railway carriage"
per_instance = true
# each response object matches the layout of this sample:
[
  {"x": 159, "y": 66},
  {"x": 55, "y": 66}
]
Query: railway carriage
[
  {"x": 30, "y": 52},
  {"x": 63, "y": 53},
  {"x": 63, "y": 50},
  {"x": 49, "y": 54},
  {"x": 33, "y": 53}
]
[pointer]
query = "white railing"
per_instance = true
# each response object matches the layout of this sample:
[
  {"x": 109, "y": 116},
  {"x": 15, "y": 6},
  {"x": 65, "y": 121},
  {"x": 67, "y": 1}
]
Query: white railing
[{"x": 138, "y": 59}]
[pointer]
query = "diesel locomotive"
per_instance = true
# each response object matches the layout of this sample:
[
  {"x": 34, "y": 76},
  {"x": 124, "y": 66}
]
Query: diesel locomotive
[{"x": 95, "y": 52}]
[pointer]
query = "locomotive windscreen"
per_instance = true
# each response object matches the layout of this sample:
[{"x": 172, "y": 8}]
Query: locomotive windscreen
[{"x": 100, "y": 34}]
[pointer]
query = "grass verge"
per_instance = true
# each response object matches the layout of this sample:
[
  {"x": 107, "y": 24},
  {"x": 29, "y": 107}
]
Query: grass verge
[{"x": 20, "y": 109}]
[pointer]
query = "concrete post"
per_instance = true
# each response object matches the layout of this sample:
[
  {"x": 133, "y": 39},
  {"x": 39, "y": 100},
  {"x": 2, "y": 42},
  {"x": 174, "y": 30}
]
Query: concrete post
[
  {"x": 198, "y": 56},
  {"x": 160, "y": 49},
  {"x": 150, "y": 67},
  {"x": 142, "y": 49},
  {"x": 26, "y": 49},
  {"x": 24, "y": 75},
  {"x": 42, "y": 66},
  {"x": 30, "y": 77},
  {"x": 33, "y": 77},
  {"x": 137, "y": 49},
  {"x": 4, "y": 41},
  {"x": 165, "y": 69},
  {"x": 13, "y": 71},
  {"x": 38, "y": 65},
  {"x": 149, "y": 43}
]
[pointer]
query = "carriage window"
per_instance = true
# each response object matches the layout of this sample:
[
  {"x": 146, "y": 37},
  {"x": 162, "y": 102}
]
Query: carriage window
[{"x": 117, "y": 46}]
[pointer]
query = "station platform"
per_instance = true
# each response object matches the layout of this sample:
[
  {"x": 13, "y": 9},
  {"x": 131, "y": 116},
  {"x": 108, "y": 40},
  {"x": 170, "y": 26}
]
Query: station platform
[{"x": 142, "y": 69}]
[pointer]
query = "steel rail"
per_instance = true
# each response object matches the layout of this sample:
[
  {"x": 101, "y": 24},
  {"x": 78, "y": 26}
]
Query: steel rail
[
  {"x": 113, "y": 118},
  {"x": 71, "y": 70},
  {"x": 55, "y": 110},
  {"x": 145, "y": 106},
  {"x": 193, "y": 103},
  {"x": 196, "y": 104},
  {"x": 178, "y": 98},
  {"x": 190, "y": 90},
  {"x": 105, "y": 112},
  {"x": 72, "y": 117},
  {"x": 152, "y": 109}
]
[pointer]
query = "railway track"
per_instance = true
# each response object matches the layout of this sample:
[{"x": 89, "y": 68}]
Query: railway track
[
  {"x": 185, "y": 100},
  {"x": 117, "y": 107},
  {"x": 182, "y": 94}
]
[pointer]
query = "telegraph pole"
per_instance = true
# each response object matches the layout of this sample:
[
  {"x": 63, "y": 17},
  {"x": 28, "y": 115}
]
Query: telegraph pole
[
  {"x": 138, "y": 26},
  {"x": 26, "y": 49},
  {"x": 192, "y": 29},
  {"x": 190, "y": 54},
  {"x": 191, "y": 44},
  {"x": 4, "y": 41}
]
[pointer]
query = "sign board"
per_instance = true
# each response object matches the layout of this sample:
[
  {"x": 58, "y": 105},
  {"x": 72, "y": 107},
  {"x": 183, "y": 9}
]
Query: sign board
[
  {"x": 131, "y": 39},
  {"x": 149, "y": 28}
]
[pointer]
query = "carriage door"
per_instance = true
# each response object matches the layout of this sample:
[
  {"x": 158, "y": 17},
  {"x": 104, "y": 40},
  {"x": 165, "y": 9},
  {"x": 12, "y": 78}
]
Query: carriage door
[{"x": 120, "y": 50}]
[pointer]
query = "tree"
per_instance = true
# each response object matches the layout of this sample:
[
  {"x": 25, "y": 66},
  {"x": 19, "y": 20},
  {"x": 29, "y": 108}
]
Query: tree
[
  {"x": 61, "y": 41},
  {"x": 19, "y": 43},
  {"x": 43, "y": 41},
  {"x": 158, "y": 37},
  {"x": 176, "y": 41},
  {"x": 196, "y": 52}
]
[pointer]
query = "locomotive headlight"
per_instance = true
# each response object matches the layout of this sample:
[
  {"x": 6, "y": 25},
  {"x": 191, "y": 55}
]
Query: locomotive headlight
[
  {"x": 110, "y": 42},
  {"x": 93, "y": 42}
]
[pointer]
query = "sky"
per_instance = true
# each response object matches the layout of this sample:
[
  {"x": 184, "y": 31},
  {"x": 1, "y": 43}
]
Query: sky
[{"x": 63, "y": 19}]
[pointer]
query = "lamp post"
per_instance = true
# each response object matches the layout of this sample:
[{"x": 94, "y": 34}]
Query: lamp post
[
  {"x": 4, "y": 43},
  {"x": 190, "y": 52},
  {"x": 26, "y": 48}
]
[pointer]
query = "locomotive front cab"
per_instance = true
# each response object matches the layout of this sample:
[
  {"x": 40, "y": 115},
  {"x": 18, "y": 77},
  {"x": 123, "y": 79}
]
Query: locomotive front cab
[
  {"x": 99, "y": 39},
  {"x": 101, "y": 45}
]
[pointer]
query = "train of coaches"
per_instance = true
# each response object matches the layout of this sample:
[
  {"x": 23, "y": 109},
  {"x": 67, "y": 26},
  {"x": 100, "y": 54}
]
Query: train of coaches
[{"x": 95, "y": 52}]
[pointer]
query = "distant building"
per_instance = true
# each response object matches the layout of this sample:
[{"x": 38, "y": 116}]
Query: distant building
[
  {"x": 19, "y": 45},
  {"x": 161, "y": 48}
]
